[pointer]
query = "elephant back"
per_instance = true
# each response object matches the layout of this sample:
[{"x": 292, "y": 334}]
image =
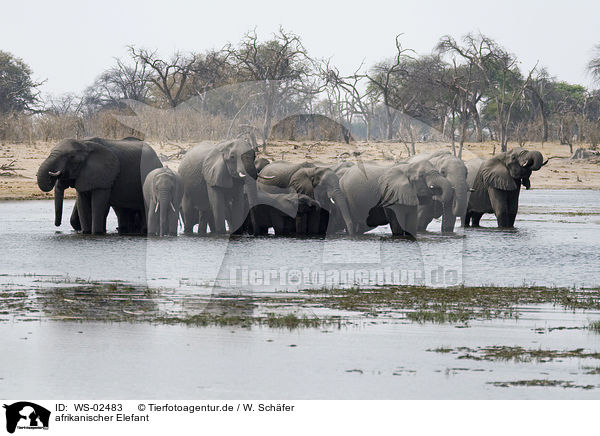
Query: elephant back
[
  {"x": 136, "y": 160},
  {"x": 279, "y": 173}
]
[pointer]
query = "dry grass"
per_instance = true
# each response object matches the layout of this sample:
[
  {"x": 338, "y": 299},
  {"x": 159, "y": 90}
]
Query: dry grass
[{"x": 560, "y": 173}]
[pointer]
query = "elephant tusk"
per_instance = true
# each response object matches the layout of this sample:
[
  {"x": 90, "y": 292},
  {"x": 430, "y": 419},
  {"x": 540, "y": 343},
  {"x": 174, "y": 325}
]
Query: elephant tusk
[
  {"x": 54, "y": 174},
  {"x": 173, "y": 207},
  {"x": 242, "y": 175},
  {"x": 471, "y": 190},
  {"x": 432, "y": 187},
  {"x": 266, "y": 177},
  {"x": 156, "y": 208},
  {"x": 332, "y": 200}
]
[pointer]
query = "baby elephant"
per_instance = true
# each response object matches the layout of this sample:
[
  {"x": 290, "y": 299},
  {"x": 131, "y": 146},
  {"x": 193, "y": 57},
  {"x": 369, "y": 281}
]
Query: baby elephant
[{"x": 163, "y": 192}]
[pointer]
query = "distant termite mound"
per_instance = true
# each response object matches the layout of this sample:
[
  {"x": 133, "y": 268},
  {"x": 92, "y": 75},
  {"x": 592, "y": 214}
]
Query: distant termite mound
[{"x": 310, "y": 127}]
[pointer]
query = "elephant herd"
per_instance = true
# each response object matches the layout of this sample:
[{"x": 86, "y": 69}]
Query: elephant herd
[{"x": 224, "y": 188}]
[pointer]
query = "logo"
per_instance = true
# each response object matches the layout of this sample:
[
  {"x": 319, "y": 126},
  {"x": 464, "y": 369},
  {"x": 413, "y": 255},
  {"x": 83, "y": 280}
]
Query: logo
[{"x": 26, "y": 415}]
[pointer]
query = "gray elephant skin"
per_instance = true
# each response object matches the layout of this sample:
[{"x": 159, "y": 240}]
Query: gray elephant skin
[
  {"x": 286, "y": 213},
  {"x": 319, "y": 183},
  {"x": 219, "y": 183},
  {"x": 496, "y": 184},
  {"x": 379, "y": 195},
  {"x": 455, "y": 171},
  {"x": 105, "y": 173},
  {"x": 163, "y": 193}
]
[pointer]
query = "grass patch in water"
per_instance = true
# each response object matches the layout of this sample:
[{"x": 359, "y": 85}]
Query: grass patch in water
[
  {"x": 502, "y": 353},
  {"x": 458, "y": 304},
  {"x": 272, "y": 320},
  {"x": 541, "y": 383}
]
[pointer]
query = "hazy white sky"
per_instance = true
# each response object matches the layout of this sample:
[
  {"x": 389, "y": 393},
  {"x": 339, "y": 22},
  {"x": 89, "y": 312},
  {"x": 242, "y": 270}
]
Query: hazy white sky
[{"x": 70, "y": 42}]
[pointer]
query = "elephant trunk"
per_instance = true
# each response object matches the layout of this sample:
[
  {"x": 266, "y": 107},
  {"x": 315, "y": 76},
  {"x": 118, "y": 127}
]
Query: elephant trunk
[
  {"x": 163, "y": 201},
  {"x": 59, "y": 195},
  {"x": 248, "y": 163},
  {"x": 444, "y": 193},
  {"x": 50, "y": 170},
  {"x": 341, "y": 203},
  {"x": 461, "y": 200}
]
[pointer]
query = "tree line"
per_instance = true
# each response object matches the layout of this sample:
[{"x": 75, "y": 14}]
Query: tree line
[{"x": 471, "y": 89}]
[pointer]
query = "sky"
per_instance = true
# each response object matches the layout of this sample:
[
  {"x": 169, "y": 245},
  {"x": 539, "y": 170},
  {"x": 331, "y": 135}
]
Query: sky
[{"x": 68, "y": 43}]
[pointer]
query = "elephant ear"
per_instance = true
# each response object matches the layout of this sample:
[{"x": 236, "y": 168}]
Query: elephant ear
[
  {"x": 100, "y": 168},
  {"x": 301, "y": 182},
  {"x": 395, "y": 188},
  {"x": 215, "y": 170},
  {"x": 494, "y": 173}
]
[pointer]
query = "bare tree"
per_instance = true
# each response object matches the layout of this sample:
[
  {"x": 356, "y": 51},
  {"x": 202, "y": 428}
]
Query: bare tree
[
  {"x": 594, "y": 64},
  {"x": 281, "y": 65},
  {"x": 169, "y": 77},
  {"x": 498, "y": 68}
]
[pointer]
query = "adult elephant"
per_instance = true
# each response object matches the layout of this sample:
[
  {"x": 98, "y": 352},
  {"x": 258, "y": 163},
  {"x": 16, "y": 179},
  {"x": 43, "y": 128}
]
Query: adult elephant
[
  {"x": 455, "y": 171},
  {"x": 163, "y": 192},
  {"x": 319, "y": 183},
  {"x": 105, "y": 173},
  {"x": 379, "y": 195},
  {"x": 496, "y": 184},
  {"x": 215, "y": 179}
]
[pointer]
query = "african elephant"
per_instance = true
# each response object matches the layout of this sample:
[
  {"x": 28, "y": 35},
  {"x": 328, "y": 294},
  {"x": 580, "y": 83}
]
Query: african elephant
[
  {"x": 260, "y": 163},
  {"x": 496, "y": 184},
  {"x": 455, "y": 171},
  {"x": 214, "y": 180},
  {"x": 379, "y": 195},
  {"x": 163, "y": 192},
  {"x": 105, "y": 173},
  {"x": 319, "y": 183},
  {"x": 286, "y": 213}
]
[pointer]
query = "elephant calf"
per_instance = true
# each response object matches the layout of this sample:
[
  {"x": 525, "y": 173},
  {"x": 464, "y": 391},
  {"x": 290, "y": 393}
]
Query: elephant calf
[
  {"x": 163, "y": 192},
  {"x": 496, "y": 183}
]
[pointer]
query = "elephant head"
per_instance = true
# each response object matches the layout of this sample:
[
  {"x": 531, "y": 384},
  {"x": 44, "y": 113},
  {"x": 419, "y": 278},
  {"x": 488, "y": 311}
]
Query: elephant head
[
  {"x": 507, "y": 171},
  {"x": 230, "y": 162},
  {"x": 83, "y": 165},
  {"x": 325, "y": 188},
  {"x": 166, "y": 191},
  {"x": 260, "y": 163},
  {"x": 428, "y": 183}
]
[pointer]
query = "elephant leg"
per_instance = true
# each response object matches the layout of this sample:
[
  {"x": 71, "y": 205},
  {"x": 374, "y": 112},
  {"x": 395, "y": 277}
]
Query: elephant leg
[
  {"x": 410, "y": 222},
  {"x": 153, "y": 219},
  {"x": 219, "y": 208},
  {"x": 189, "y": 214},
  {"x": 301, "y": 224},
  {"x": 513, "y": 207},
  {"x": 393, "y": 221},
  {"x": 84, "y": 210},
  {"x": 314, "y": 221},
  {"x": 424, "y": 217},
  {"x": 75, "y": 223},
  {"x": 100, "y": 208},
  {"x": 499, "y": 201},
  {"x": 448, "y": 221},
  {"x": 173, "y": 221}
]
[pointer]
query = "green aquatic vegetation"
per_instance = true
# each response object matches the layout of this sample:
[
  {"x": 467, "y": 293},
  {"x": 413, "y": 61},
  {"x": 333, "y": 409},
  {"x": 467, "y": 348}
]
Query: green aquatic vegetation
[
  {"x": 272, "y": 320},
  {"x": 454, "y": 305},
  {"x": 517, "y": 354},
  {"x": 541, "y": 383}
]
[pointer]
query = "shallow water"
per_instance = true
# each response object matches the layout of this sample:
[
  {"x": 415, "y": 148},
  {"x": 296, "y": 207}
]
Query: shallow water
[{"x": 555, "y": 243}]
